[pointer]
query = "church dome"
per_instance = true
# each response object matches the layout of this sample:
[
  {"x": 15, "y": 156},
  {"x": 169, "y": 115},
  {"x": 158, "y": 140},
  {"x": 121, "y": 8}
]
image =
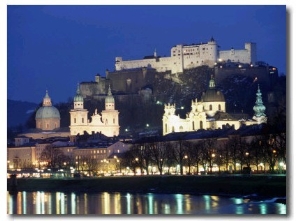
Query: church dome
[
  {"x": 212, "y": 94},
  {"x": 47, "y": 110}
]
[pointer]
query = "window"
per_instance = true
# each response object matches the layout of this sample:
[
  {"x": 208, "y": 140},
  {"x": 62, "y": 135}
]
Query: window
[
  {"x": 210, "y": 107},
  {"x": 82, "y": 120},
  {"x": 219, "y": 106},
  {"x": 201, "y": 124},
  {"x": 74, "y": 120}
]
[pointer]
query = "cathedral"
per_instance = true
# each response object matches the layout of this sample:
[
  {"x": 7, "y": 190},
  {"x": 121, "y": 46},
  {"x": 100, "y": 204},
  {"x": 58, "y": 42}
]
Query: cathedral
[
  {"x": 47, "y": 117},
  {"x": 106, "y": 122},
  {"x": 210, "y": 113}
]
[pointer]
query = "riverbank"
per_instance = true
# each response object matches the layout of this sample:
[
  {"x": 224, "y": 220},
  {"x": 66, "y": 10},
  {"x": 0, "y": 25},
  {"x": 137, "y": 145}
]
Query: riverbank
[{"x": 263, "y": 186}]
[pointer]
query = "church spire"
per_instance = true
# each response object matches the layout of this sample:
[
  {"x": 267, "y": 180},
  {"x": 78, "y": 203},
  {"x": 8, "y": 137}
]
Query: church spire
[
  {"x": 47, "y": 100},
  {"x": 109, "y": 91},
  {"x": 78, "y": 99},
  {"x": 212, "y": 82},
  {"x": 259, "y": 108},
  {"x": 109, "y": 100}
]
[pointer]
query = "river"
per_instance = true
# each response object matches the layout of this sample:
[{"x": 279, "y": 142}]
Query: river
[{"x": 40, "y": 202}]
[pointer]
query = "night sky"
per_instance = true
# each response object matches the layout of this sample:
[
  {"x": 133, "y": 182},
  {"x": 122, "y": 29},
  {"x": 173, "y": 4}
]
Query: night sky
[{"x": 55, "y": 47}]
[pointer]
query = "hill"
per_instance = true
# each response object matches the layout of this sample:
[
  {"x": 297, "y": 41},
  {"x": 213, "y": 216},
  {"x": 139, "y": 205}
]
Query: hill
[{"x": 18, "y": 112}]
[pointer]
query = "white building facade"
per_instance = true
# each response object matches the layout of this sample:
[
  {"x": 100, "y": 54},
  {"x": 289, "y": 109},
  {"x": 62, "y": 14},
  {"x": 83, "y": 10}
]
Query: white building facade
[
  {"x": 209, "y": 113},
  {"x": 190, "y": 56},
  {"x": 106, "y": 123}
]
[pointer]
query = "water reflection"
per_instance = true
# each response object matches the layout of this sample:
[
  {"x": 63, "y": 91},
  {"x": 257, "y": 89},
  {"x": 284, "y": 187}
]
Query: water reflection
[{"x": 118, "y": 203}]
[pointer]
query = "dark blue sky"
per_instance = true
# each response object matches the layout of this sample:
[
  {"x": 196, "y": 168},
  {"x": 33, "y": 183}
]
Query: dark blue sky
[{"x": 55, "y": 47}]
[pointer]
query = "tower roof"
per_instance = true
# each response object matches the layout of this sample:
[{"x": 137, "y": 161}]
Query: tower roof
[
  {"x": 109, "y": 98},
  {"x": 259, "y": 107},
  {"x": 78, "y": 97},
  {"x": 212, "y": 94}
]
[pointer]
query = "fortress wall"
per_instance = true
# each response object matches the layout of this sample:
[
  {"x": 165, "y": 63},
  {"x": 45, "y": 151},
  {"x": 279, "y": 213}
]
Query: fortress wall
[{"x": 131, "y": 81}]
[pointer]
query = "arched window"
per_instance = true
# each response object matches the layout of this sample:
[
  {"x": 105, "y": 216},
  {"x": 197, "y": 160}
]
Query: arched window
[
  {"x": 210, "y": 107},
  {"x": 201, "y": 124},
  {"x": 74, "y": 120},
  {"x": 219, "y": 107},
  {"x": 193, "y": 125}
]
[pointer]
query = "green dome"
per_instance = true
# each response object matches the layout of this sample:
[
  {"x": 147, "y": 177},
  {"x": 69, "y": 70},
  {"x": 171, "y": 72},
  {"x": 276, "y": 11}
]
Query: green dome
[
  {"x": 47, "y": 112},
  {"x": 78, "y": 97}
]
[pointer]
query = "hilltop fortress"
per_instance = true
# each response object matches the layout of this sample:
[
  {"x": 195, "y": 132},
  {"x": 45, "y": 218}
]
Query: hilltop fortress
[
  {"x": 137, "y": 76},
  {"x": 190, "y": 56}
]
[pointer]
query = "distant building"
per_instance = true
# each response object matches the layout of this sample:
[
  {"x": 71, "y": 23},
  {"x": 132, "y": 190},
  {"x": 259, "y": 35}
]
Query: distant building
[
  {"x": 190, "y": 56},
  {"x": 92, "y": 88},
  {"x": 106, "y": 123},
  {"x": 47, "y": 117},
  {"x": 209, "y": 113}
]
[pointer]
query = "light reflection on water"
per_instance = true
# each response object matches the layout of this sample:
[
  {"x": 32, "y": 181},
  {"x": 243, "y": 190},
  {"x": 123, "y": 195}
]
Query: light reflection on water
[{"x": 118, "y": 203}]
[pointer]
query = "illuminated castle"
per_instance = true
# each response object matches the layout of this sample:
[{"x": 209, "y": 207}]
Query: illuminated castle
[{"x": 190, "y": 56}]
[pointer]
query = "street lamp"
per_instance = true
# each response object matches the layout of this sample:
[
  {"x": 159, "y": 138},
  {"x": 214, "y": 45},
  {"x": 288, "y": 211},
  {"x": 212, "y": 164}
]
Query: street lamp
[
  {"x": 211, "y": 162},
  {"x": 118, "y": 161}
]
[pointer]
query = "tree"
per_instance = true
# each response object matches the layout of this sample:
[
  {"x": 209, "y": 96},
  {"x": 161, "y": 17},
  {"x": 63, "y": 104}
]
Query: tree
[
  {"x": 159, "y": 153},
  {"x": 189, "y": 156},
  {"x": 90, "y": 164},
  {"x": 53, "y": 156},
  {"x": 256, "y": 152},
  {"x": 233, "y": 145},
  {"x": 177, "y": 152}
]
